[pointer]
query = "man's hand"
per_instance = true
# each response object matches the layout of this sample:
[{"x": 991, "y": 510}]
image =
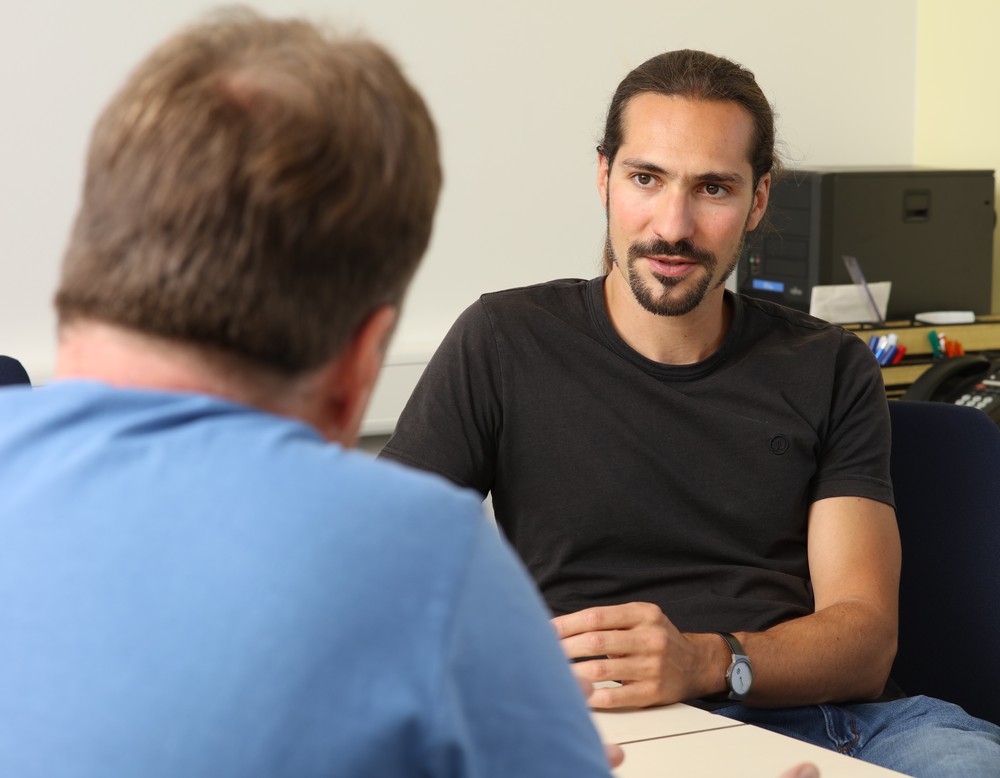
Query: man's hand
[{"x": 636, "y": 644}]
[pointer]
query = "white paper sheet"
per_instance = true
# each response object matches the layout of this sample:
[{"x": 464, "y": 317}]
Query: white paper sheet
[{"x": 848, "y": 303}]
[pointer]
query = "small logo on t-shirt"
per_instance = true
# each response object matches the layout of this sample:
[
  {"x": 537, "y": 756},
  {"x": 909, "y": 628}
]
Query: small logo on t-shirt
[{"x": 779, "y": 444}]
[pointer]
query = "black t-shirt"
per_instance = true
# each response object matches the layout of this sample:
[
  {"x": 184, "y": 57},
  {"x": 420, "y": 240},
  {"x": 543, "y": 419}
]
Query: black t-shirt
[{"x": 618, "y": 479}]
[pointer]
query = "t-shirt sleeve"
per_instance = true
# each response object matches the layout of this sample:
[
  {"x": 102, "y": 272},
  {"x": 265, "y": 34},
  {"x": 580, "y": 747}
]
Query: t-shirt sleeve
[
  {"x": 854, "y": 459},
  {"x": 512, "y": 706},
  {"x": 453, "y": 419}
]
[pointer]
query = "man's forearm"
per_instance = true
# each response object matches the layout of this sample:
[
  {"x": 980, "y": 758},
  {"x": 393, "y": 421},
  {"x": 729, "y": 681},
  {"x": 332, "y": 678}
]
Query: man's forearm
[{"x": 843, "y": 652}]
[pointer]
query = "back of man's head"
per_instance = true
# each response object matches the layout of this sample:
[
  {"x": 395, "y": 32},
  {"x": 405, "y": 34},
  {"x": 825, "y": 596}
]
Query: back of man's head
[{"x": 257, "y": 188}]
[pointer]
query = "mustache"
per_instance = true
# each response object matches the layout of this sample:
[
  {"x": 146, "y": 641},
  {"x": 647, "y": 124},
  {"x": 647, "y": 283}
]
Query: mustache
[{"x": 683, "y": 248}]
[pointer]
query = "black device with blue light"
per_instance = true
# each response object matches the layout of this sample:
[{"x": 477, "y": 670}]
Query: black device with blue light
[{"x": 928, "y": 231}]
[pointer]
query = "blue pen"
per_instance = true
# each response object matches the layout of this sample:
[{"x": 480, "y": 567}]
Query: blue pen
[
  {"x": 885, "y": 343},
  {"x": 873, "y": 343}
]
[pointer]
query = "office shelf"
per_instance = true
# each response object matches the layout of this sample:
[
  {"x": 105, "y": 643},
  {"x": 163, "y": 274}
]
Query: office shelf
[{"x": 982, "y": 336}]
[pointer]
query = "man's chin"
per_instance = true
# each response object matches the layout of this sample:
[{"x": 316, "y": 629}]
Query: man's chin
[
  {"x": 674, "y": 296},
  {"x": 667, "y": 304}
]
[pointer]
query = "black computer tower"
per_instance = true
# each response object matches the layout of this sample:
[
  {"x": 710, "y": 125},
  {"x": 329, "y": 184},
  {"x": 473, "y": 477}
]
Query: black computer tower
[{"x": 928, "y": 231}]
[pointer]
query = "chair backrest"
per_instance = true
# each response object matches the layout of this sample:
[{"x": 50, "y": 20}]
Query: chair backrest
[
  {"x": 946, "y": 477},
  {"x": 12, "y": 372}
]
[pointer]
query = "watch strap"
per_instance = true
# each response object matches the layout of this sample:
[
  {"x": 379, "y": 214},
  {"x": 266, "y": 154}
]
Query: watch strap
[{"x": 734, "y": 645}]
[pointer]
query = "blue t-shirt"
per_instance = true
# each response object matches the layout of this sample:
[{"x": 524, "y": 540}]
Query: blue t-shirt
[{"x": 192, "y": 587}]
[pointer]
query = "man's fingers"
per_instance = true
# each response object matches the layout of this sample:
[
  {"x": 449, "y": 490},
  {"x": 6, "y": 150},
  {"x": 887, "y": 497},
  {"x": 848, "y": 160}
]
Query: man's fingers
[
  {"x": 606, "y": 617},
  {"x": 618, "y": 668},
  {"x": 607, "y": 643},
  {"x": 805, "y": 770},
  {"x": 633, "y": 694},
  {"x": 616, "y": 756}
]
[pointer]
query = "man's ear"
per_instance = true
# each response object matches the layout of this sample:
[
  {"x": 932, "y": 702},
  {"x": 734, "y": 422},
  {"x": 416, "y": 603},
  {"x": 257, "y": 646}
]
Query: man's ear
[
  {"x": 603, "y": 169},
  {"x": 347, "y": 383},
  {"x": 759, "y": 205}
]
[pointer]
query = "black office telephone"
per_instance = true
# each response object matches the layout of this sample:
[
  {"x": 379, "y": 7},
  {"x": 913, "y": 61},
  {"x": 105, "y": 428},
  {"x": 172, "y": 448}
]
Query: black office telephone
[{"x": 972, "y": 380}]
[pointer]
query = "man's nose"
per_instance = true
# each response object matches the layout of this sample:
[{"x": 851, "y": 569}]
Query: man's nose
[{"x": 674, "y": 216}]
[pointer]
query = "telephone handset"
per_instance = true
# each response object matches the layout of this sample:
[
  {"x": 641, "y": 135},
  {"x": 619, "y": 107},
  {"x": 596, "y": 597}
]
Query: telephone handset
[{"x": 971, "y": 380}]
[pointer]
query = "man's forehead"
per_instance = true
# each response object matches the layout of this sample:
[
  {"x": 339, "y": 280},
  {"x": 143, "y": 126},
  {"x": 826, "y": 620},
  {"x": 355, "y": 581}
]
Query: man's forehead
[{"x": 722, "y": 129}]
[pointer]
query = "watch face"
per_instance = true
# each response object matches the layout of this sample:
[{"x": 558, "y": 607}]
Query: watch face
[{"x": 740, "y": 677}]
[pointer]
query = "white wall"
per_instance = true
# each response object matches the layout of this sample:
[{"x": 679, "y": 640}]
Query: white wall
[{"x": 519, "y": 90}]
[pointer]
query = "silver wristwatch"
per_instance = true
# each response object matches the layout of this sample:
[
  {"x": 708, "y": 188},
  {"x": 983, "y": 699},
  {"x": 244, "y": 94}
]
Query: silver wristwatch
[{"x": 739, "y": 676}]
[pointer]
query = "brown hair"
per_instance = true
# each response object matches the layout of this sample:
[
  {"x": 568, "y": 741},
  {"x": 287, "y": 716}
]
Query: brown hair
[
  {"x": 700, "y": 76},
  {"x": 257, "y": 187}
]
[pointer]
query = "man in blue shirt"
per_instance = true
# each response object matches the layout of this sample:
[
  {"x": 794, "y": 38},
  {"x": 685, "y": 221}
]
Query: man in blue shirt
[{"x": 197, "y": 577}]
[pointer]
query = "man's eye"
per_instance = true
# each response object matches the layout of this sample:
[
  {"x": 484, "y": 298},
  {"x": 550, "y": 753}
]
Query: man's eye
[
  {"x": 714, "y": 190},
  {"x": 643, "y": 179}
]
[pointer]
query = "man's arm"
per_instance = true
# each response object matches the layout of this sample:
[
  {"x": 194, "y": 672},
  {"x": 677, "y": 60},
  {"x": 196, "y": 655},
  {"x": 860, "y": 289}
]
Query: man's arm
[
  {"x": 842, "y": 651},
  {"x": 451, "y": 421}
]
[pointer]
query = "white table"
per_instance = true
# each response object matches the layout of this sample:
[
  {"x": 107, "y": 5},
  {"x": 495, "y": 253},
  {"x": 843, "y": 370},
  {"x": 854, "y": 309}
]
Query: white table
[{"x": 680, "y": 740}]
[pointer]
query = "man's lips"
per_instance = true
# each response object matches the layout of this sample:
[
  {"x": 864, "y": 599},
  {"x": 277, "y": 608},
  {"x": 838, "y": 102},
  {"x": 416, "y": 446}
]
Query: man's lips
[{"x": 671, "y": 266}]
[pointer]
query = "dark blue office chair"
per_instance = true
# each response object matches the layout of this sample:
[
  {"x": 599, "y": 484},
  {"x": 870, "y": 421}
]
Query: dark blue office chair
[
  {"x": 946, "y": 477},
  {"x": 12, "y": 372}
]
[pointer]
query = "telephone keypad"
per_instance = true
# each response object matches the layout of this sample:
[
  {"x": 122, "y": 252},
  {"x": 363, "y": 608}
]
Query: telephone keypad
[
  {"x": 984, "y": 396},
  {"x": 980, "y": 401}
]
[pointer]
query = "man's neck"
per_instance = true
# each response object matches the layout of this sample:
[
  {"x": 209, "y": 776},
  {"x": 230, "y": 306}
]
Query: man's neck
[
  {"x": 669, "y": 340},
  {"x": 127, "y": 359}
]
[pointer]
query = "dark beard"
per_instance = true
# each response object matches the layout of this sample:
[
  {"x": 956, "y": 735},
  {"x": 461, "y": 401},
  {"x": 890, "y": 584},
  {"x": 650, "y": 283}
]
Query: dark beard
[{"x": 667, "y": 305}]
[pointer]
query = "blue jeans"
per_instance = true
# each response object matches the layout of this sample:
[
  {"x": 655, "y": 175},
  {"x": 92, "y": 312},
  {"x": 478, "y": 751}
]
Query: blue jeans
[{"x": 917, "y": 736}]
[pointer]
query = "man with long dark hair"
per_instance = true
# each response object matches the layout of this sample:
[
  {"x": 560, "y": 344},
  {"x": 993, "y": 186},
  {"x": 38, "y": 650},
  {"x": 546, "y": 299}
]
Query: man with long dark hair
[{"x": 697, "y": 480}]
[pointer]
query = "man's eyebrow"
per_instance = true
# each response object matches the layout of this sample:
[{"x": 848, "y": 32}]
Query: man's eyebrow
[
  {"x": 721, "y": 178},
  {"x": 711, "y": 175},
  {"x": 642, "y": 164}
]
